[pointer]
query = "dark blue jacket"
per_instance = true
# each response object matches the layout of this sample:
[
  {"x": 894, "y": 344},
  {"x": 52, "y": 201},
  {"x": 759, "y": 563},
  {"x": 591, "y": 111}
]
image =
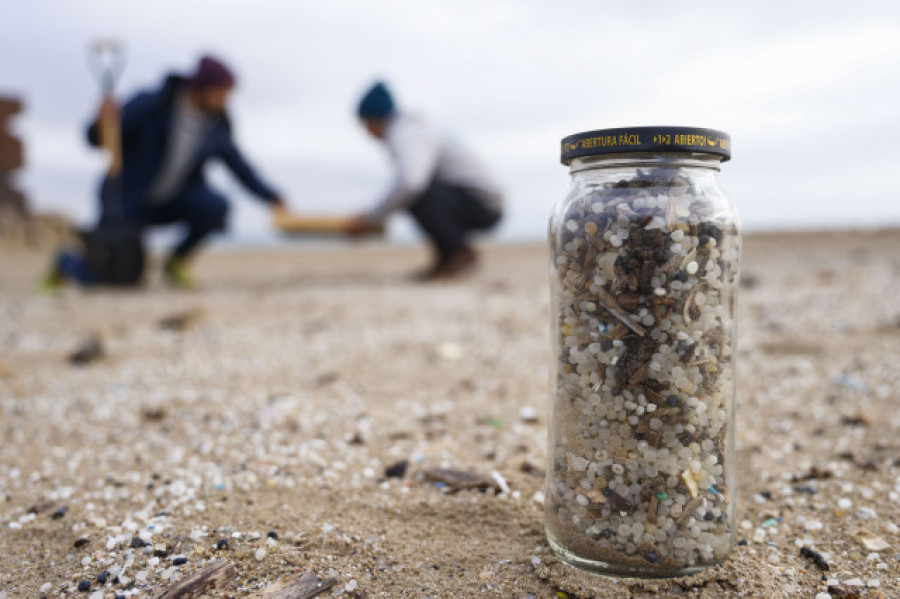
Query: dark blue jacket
[{"x": 146, "y": 125}]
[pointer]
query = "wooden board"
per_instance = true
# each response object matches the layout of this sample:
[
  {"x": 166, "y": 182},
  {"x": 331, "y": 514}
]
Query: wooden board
[{"x": 295, "y": 224}]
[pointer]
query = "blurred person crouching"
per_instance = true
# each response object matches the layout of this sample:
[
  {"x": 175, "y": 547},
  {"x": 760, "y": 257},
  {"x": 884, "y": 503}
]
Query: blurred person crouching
[
  {"x": 168, "y": 135},
  {"x": 442, "y": 185}
]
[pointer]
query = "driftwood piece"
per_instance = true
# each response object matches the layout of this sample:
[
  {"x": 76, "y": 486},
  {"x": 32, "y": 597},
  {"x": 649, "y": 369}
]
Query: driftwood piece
[
  {"x": 617, "y": 502},
  {"x": 304, "y": 586},
  {"x": 212, "y": 576},
  {"x": 459, "y": 480},
  {"x": 620, "y": 331},
  {"x": 594, "y": 496},
  {"x": 671, "y": 264},
  {"x": 639, "y": 375},
  {"x": 628, "y": 300},
  {"x": 688, "y": 511},
  {"x": 671, "y": 212},
  {"x": 612, "y": 306}
]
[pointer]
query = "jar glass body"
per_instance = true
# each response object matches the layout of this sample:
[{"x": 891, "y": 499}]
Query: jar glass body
[{"x": 644, "y": 258}]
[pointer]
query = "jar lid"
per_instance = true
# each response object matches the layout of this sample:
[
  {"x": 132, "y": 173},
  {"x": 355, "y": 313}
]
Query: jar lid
[{"x": 646, "y": 139}]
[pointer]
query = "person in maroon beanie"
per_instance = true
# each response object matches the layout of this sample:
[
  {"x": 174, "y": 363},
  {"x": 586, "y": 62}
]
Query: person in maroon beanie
[{"x": 168, "y": 136}]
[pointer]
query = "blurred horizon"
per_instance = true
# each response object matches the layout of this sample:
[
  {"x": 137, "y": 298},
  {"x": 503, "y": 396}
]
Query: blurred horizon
[{"x": 807, "y": 91}]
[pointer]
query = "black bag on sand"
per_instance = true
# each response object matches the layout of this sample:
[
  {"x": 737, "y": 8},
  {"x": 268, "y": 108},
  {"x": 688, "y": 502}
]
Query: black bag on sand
[
  {"x": 114, "y": 249},
  {"x": 115, "y": 255}
]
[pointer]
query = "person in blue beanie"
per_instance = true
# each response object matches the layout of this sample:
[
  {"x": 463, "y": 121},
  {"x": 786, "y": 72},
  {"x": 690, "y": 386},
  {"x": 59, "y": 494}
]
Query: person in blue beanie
[
  {"x": 168, "y": 136},
  {"x": 442, "y": 185}
]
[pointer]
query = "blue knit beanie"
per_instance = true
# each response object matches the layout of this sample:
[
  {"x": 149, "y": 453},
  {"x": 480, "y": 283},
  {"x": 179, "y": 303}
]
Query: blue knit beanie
[{"x": 377, "y": 103}]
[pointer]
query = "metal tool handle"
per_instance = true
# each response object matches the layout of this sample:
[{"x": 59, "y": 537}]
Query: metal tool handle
[{"x": 106, "y": 58}]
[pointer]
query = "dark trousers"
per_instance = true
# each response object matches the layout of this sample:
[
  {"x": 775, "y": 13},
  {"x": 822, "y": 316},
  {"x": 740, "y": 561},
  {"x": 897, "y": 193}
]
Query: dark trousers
[
  {"x": 201, "y": 209},
  {"x": 448, "y": 215}
]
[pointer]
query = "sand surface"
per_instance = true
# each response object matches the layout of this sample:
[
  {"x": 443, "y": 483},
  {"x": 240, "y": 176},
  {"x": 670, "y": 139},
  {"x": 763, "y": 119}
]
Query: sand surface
[{"x": 274, "y": 398}]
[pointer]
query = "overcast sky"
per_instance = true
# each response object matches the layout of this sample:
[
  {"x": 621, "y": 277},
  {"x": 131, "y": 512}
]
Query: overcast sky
[{"x": 808, "y": 91}]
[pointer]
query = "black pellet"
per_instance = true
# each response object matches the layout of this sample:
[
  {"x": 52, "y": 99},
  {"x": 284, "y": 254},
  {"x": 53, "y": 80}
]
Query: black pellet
[
  {"x": 397, "y": 470},
  {"x": 816, "y": 558}
]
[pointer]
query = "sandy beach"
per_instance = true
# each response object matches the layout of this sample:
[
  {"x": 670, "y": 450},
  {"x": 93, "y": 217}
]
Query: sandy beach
[{"x": 264, "y": 408}]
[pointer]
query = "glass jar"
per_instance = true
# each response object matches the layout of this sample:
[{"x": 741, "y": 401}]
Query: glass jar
[{"x": 644, "y": 254}]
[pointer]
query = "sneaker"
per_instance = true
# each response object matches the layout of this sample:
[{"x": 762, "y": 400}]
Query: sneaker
[
  {"x": 53, "y": 280},
  {"x": 51, "y": 283},
  {"x": 456, "y": 264},
  {"x": 178, "y": 274}
]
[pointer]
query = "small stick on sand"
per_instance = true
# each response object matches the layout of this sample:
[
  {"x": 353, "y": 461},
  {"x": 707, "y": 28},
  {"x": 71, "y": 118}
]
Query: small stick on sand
[
  {"x": 211, "y": 577},
  {"x": 304, "y": 586}
]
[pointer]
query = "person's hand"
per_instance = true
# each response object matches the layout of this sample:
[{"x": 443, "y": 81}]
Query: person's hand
[
  {"x": 358, "y": 225},
  {"x": 280, "y": 212},
  {"x": 109, "y": 111}
]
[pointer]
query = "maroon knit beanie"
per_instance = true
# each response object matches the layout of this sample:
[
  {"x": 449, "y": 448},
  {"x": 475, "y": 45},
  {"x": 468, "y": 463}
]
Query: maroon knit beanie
[{"x": 211, "y": 72}]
